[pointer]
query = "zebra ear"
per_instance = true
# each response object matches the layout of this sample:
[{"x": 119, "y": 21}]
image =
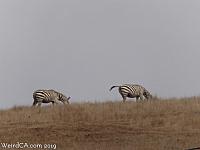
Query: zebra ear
[{"x": 68, "y": 97}]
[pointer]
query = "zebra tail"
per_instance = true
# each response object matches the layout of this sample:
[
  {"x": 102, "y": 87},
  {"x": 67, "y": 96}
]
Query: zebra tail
[{"x": 113, "y": 87}]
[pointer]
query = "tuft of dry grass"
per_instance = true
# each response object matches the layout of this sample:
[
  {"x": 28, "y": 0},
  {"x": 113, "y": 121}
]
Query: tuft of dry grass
[{"x": 155, "y": 125}]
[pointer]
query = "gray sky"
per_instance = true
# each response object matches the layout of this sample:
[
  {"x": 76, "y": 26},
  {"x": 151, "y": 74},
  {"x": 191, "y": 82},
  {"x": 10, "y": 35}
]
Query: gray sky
[{"x": 81, "y": 48}]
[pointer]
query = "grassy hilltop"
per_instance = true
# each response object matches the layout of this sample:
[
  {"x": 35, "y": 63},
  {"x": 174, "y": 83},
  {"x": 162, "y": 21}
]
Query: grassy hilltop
[{"x": 156, "y": 125}]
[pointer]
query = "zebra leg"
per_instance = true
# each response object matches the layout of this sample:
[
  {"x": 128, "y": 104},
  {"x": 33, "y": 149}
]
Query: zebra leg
[
  {"x": 137, "y": 98},
  {"x": 141, "y": 97},
  {"x": 34, "y": 103},
  {"x": 39, "y": 104},
  {"x": 124, "y": 98},
  {"x": 55, "y": 102}
]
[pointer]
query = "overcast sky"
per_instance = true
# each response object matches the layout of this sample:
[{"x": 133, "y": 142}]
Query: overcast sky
[{"x": 82, "y": 48}]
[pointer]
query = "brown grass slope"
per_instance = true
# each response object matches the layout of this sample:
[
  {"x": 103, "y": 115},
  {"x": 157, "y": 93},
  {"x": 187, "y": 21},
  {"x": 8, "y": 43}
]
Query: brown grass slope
[{"x": 156, "y": 125}]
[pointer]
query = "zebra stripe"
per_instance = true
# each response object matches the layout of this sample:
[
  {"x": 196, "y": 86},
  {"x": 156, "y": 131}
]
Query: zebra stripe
[
  {"x": 49, "y": 96},
  {"x": 133, "y": 91}
]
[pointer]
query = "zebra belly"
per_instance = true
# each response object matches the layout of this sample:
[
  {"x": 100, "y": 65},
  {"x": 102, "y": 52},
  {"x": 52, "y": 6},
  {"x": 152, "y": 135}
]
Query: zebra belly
[
  {"x": 131, "y": 95},
  {"x": 45, "y": 101}
]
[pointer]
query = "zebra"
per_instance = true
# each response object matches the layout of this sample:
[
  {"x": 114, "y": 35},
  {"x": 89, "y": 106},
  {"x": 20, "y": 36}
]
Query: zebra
[
  {"x": 132, "y": 91},
  {"x": 47, "y": 96}
]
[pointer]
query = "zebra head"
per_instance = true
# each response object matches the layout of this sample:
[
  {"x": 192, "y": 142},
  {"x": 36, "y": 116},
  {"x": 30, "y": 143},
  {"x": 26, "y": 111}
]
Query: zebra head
[
  {"x": 147, "y": 95},
  {"x": 64, "y": 99}
]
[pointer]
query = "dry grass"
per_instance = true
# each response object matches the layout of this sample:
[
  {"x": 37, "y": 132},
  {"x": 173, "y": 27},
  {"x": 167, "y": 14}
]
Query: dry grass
[{"x": 156, "y": 125}]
